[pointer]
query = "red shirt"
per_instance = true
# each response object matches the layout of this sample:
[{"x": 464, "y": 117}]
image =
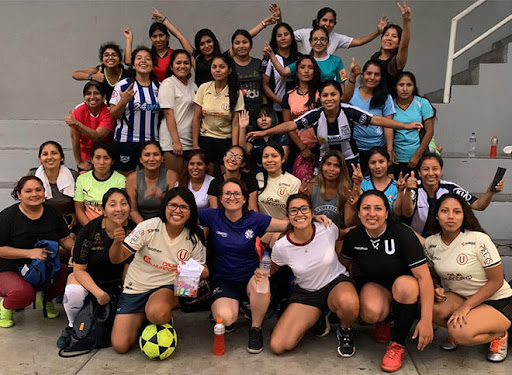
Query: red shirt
[
  {"x": 103, "y": 120},
  {"x": 162, "y": 64}
]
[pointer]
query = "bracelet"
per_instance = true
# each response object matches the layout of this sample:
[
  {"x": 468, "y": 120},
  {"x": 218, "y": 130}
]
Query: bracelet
[
  {"x": 354, "y": 82},
  {"x": 164, "y": 19},
  {"x": 263, "y": 24}
]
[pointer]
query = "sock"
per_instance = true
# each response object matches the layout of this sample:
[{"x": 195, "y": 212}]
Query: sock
[
  {"x": 404, "y": 316},
  {"x": 73, "y": 301}
]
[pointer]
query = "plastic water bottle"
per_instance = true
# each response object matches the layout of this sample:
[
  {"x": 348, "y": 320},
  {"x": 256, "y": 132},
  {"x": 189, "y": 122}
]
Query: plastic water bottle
[
  {"x": 263, "y": 286},
  {"x": 494, "y": 147},
  {"x": 218, "y": 338},
  {"x": 472, "y": 146}
]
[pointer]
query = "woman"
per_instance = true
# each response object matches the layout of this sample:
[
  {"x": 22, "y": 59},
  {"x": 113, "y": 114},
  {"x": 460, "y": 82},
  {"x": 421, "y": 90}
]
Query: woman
[
  {"x": 285, "y": 48},
  {"x": 148, "y": 185},
  {"x": 394, "y": 48},
  {"x": 372, "y": 96},
  {"x": 409, "y": 146},
  {"x": 58, "y": 180},
  {"x": 378, "y": 164},
  {"x": 215, "y": 123},
  {"x": 420, "y": 195},
  {"x": 159, "y": 245},
  {"x": 134, "y": 105},
  {"x": 234, "y": 161},
  {"x": 88, "y": 123},
  {"x": 23, "y": 224},
  {"x": 478, "y": 307},
  {"x": 391, "y": 274},
  {"x": 159, "y": 35},
  {"x": 334, "y": 122},
  {"x": 93, "y": 270},
  {"x": 206, "y": 47},
  {"x": 92, "y": 185},
  {"x": 321, "y": 281},
  {"x": 176, "y": 98},
  {"x": 108, "y": 73},
  {"x": 196, "y": 178}
]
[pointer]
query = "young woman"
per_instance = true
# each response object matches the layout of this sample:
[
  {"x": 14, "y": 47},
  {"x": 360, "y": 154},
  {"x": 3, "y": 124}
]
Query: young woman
[
  {"x": 394, "y": 48},
  {"x": 334, "y": 122},
  {"x": 372, "y": 96},
  {"x": 409, "y": 146},
  {"x": 89, "y": 122},
  {"x": 206, "y": 47},
  {"x": 134, "y": 104},
  {"x": 478, "y": 307},
  {"x": 108, "y": 73},
  {"x": 23, "y": 224},
  {"x": 58, "y": 180},
  {"x": 196, "y": 179},
  {"x": 419, "y": 195},
  {"x": 176, "y": 98},
  {"x": 93, "y": 270},
  {"x": 159, "y": 35},
  {"x": 234, "y": 160},
  {"x": 321, "y": 281},
  {"x": 215, "y": 123},
  {"x": 92, "y": 185},
  {"x": 148, "y": 293},
  {"x": 149, "y": 183},
  {"x": 391, "y": 274}
]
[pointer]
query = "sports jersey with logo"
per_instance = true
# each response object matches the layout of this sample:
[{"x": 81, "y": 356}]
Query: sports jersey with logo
[
  {"x": 272, "y": 200},
  {"x": 331, "y": 67},
  {"x": 390, "y": 191},
  {"x": 279, "y": 85}
]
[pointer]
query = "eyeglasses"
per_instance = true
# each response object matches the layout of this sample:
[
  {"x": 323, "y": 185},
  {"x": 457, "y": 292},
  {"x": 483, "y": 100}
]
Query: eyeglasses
[
  {"x": 295, "y": 210},
  {"x": 232, "y": 155},
  {"x": 323, "y": 40},
  {"x": 228, "y": 194},
  {"x": 113, "y": 55},
  {"x": 182, "y": 207}
]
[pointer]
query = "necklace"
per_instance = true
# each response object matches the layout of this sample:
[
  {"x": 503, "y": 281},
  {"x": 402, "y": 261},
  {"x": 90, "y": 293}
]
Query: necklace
[
  {"x": 118, "y": 78},
  {"x": 375, "y": 242}
]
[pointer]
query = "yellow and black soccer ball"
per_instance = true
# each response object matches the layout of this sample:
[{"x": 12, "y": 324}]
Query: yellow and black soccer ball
[{"x": 158, "y": 341}]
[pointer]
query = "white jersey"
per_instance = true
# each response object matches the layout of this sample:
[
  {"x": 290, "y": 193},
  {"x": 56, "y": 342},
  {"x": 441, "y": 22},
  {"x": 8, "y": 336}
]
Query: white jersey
[{"x": 336, "y": 41}]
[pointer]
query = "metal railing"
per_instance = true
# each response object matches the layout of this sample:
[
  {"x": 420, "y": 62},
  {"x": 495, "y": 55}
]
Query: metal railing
[{"x": 452, "y": 55}]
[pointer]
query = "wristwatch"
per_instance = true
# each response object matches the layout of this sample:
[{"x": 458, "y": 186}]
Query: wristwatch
[{"x": 89, "y": 77}]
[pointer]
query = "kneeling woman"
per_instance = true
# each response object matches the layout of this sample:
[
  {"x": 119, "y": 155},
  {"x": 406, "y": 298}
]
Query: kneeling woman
[
  {"x": 93, "y": 270},
  {"x": 391, "y": 274},
  {"x": 159, "y": 244},
  {"x": 478, "y": 307},
  {"x": 321, "y": 281}
]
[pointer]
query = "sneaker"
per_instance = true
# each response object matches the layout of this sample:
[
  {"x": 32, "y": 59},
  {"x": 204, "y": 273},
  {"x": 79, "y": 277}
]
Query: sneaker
[
  {"x": 382, "y": 332},
  {"x": 51, "y": 311},
  {"x": 255, "y": 344},
  {"x": 498, "y": 349},
  {"x": 231, "y": 328},
  {"x": 322, "y": 327},
  {"x": 346, "y": 347},
  {"x": 448, "y": 345},
  {"x": 63, "y": 340},
  {"x": 6, "y": 315},
  {"x": 246, "y": 309},
  {"x": 392, "y": 360}
]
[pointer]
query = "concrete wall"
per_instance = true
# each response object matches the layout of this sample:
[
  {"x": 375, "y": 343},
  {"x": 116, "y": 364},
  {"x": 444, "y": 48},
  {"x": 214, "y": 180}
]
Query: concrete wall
[{"x": 44, "y": 41}]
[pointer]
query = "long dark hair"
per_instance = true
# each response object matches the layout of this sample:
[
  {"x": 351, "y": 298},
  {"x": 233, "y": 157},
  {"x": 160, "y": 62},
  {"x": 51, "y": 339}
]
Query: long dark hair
[
  {"x": 160, "y": 27},
  {"x": 114, "y": 190},
  {"x": 380, "y": 93},
  {"x": 197, "y": 42},
  {"x": 398, "y": 29},
  {"x": 280, "y": 150},
  {"x": 196, "y": 233},
  {"x": 376, "y": 193},
  {"x": 174, "y": 54},
  {"x": 232, "y": 80},
  {"x": 344, "y": 182},
  {"x": 243, "y": 188},
  {"x": 53, "y": 143},
  {"x": 470, "y": 222},
  {"x": 185, "y": 176},
  {"x": 333, "y": 83},
  {"x": 290, "y": 199},
  {"x": 242, "y": 32},
  {"x": 314, "y": 84},
  {"x": 322, "y": 12},
  {"x": 294, "y": 49},
  {"x": 154, "y": 60},
  {"x": 415, "y": 91},
  {"x": 315, "y": 29}
]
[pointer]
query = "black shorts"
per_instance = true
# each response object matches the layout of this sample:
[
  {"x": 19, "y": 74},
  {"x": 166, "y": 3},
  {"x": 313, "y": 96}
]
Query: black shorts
[
  {"x": 215, "y": 148},
  {"x": 319, "y": 297},
  {"x": 127, "y": 155},
  {"x": 503, "y": 305},
  {"x": 361, "y": 281},
  {"x": 229, "y": 289},
  {"x": 136, "y": 303}
]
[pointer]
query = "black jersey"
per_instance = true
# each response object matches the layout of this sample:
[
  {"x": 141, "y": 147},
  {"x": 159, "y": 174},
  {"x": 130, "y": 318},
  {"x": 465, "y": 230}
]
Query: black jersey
[{"x": 385, "y": 258}]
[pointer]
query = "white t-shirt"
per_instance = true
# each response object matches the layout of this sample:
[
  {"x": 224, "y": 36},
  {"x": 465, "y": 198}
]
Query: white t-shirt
[
  {"x": 462, "y": 264},
  {"x": 272, "y": 201},
  {"x": 314, "y": 264},
  {"x": 201, "y": 195},
  {"x": 336, "y": 41},
  {"x": 157, "y": 256},
  {"x": 173, "y": 94}
]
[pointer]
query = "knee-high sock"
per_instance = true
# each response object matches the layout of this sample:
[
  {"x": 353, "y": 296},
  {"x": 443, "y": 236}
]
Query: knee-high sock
[
  {"x": 73, "y": 301},
  {"x": 404, "y": 316}
]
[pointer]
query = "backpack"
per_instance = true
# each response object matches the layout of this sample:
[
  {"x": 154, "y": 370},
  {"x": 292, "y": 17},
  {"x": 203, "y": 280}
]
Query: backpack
[{"x": 40, "y": 273}]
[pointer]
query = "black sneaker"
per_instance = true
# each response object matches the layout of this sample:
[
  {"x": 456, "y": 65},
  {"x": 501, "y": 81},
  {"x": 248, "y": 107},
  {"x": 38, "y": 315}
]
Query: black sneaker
[
  {"x": 246, "y": 309},
  {"x": 231, "y": 328},
  {"x": 346, "y": 347},
  {"x": 255, "y": 344},
  {"x": 322, "y": 327},
  {"x": 63, "y": 340}
]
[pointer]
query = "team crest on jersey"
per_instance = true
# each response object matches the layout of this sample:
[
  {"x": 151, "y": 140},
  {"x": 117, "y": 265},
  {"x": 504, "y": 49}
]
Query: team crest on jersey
[
  {"x": 182, "y": 254},
  {"x": 363, "y": 118},
  {"x": 321, "y": 140},
  {"x": 282, "y": 191},
  {"x": 124, "y": 159},
  {"x": 115, "y": 94},
  {"x": 249, "y": 234},
  {"x": 225, "y": 107},
  {"x": 462, "y": 259},
  {"x": 389, "y": 246},
  {"x": 304, "y": 121}
]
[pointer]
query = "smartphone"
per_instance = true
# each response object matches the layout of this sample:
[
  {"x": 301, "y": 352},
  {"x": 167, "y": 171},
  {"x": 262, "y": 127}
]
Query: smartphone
[{"x": 500, "y": 172}]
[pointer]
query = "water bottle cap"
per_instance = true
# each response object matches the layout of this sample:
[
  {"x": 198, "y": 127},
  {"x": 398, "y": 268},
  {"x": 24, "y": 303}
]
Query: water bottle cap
[{"x": 219, "y": 320}]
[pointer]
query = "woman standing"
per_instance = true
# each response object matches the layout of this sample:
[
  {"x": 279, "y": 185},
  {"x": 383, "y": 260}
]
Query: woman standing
[
  {"x": 196, "y": 179},
  {"x": 176, "y": 98},
  {"x": 134, "y": 104},
  {"x": 478, "y": 307},
  {"x": 206, "y": 47},
  {"x": 149, "y": 183}
]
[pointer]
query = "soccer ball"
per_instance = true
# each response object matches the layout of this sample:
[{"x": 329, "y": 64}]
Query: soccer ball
[{"x": 158, "y": 341}]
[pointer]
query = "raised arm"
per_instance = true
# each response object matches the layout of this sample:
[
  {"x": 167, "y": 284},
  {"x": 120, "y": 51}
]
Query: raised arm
[
  {"x": 485, "y": 200},
  {"x": 403, "y": 48},
  {"x": 283, "y": 71},
  {"x": 356, "y": 42},
  {"x": 285, "y": 127},
  {"x": 128, "y": 46},
  {"x": 348, "y": 88},
  {"x": 185, "y": 43},
  {"x": 243, "y": 122}
]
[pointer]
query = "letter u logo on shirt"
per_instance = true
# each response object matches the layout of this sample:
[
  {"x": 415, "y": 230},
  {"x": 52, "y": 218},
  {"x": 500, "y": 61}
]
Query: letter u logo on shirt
[{"x": 387, "y": 249}]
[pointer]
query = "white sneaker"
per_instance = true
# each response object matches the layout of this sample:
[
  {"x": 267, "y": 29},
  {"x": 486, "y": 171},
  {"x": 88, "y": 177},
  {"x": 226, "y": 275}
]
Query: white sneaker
[
  {"x": 448, "y": 345},
  {"x": 498, "y": 349}
]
